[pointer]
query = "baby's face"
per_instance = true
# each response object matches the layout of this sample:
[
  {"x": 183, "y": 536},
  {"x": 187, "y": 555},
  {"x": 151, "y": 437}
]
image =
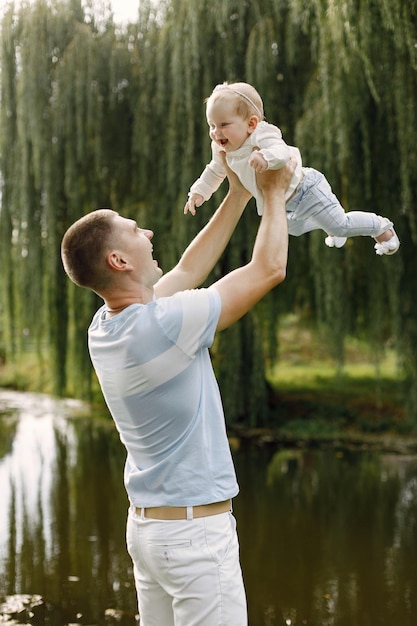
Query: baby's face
[{"x": 228, "y": 129}]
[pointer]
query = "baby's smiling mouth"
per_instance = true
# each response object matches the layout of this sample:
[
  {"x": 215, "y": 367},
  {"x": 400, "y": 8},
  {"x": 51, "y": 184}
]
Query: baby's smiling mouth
[{"x": 223, "y": 141}]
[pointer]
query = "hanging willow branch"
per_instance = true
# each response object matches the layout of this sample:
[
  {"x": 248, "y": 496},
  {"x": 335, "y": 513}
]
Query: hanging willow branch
[{"x": 93, "y": 115}]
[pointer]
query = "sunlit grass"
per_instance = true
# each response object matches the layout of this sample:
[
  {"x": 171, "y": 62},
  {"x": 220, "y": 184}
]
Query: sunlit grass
[
  {"x": 305, "y": 361},
  {"x": 27, "y": 373},
  {"x": 352, "y": 378},
  {"x": 317, "y": 395}
]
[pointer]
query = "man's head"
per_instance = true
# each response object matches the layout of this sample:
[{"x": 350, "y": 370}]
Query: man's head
[
  {"x": 85, "y": 246},
  {"x": 103, "y": 248}
]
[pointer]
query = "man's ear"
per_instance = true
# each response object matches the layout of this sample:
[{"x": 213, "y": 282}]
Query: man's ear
[
  {"x": 252, "y": 123},
  {"x": 117, "y": 262}
]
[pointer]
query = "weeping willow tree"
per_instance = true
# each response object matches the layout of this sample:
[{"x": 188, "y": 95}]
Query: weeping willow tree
[
  {"x": 63, "y": 78},
  {"x": 93, "y": 115},
  {"x": 359, "y": 124}
]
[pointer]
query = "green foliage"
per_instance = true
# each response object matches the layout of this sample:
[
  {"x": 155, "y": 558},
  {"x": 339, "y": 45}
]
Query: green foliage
[{"x": 93, "y": 115}]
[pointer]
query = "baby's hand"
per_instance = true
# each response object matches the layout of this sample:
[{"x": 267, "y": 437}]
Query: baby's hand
[
  {"x": 194, "y": 200},
  {"x": 258, "y": 162}
]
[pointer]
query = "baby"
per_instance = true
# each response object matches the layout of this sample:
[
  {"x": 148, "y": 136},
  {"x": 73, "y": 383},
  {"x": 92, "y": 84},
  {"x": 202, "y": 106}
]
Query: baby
[{"x": 235, "y": 117}]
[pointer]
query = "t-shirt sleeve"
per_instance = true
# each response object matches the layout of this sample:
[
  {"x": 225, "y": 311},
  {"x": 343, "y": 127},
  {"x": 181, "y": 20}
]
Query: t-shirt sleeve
[{"x": 190, "y": 318}]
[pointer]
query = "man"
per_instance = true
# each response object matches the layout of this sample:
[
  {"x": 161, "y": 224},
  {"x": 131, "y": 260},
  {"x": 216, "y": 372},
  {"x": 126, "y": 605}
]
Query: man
[{"x": 149, "y": 346}]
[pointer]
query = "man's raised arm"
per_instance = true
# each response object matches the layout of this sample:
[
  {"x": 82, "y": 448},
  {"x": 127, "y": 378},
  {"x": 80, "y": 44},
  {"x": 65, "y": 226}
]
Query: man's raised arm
[
  {"x": 206, "y": 248},
  {"x": 244, "y": 287}
]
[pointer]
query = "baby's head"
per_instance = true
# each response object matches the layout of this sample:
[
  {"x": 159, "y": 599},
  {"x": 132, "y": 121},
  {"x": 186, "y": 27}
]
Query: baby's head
[
  {"x": 233, "y": 112},
  {"x": 245, "y": 99}
]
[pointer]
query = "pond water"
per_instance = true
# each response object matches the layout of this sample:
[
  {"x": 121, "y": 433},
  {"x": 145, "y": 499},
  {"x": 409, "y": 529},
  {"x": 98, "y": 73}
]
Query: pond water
[{"x": 328, "y": 537}]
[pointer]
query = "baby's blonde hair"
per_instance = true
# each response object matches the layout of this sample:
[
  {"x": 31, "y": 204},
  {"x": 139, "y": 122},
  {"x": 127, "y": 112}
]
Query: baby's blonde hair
[{"x": 247, "y": 100}]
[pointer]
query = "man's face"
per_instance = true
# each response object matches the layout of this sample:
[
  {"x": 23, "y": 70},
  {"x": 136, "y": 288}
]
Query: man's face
[{"x": 135, "y": 247}]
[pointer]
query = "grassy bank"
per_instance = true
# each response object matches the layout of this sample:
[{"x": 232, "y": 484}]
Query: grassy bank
[
  {"x": 315, "y": 398},
  {"x": 317, "y": 403},
  {"x": 312, "y": 396}
]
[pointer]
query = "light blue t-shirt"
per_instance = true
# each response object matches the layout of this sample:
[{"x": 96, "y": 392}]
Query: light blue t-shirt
[{"x": 156, "y": 375}]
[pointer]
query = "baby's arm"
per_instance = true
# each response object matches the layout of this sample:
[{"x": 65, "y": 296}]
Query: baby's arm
[
  {"x": 271, "y": 152},
  {"x": 258, "y": 162},
  {"x": 194, "y": 200},
  {"x": 209, "y": 181}
]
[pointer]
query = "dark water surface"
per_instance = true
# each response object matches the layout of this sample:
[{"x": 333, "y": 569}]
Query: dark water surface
[{"x": 328, "y": 537}]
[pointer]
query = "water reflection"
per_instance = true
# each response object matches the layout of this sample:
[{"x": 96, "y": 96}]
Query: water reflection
[
  {"x": 328, "y": 538},
  {"x": 63, "y": 514}
]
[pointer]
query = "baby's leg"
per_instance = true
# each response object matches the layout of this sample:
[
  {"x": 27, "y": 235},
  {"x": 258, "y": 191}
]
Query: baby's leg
[
  {"x": 315, "y": 203},
  {"x": 318, "y": 202}
]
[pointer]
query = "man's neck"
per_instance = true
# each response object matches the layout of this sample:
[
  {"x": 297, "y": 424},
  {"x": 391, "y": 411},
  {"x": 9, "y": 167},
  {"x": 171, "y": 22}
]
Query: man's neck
[{"x": 115, "y": 304}]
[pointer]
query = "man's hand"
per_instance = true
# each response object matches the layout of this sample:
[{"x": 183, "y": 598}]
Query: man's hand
[{"x": 276, "y": 180}]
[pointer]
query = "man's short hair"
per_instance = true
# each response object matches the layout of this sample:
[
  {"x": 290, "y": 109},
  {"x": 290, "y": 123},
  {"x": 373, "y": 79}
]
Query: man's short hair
[{"x": 84, "y": 247}]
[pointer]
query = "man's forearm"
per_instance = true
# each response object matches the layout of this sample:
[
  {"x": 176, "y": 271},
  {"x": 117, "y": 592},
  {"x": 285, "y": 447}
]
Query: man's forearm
[
  {"x": 271, "y": 244},
  {"x": 242, "y": 288},
  {"x": 206, "y": 248}
]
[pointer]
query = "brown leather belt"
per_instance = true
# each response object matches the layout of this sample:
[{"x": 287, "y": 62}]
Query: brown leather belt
[{"x": 183, "y": 512}]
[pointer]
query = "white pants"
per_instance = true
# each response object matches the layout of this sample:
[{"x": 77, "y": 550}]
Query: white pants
[{"x": 187, "y": 572}]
